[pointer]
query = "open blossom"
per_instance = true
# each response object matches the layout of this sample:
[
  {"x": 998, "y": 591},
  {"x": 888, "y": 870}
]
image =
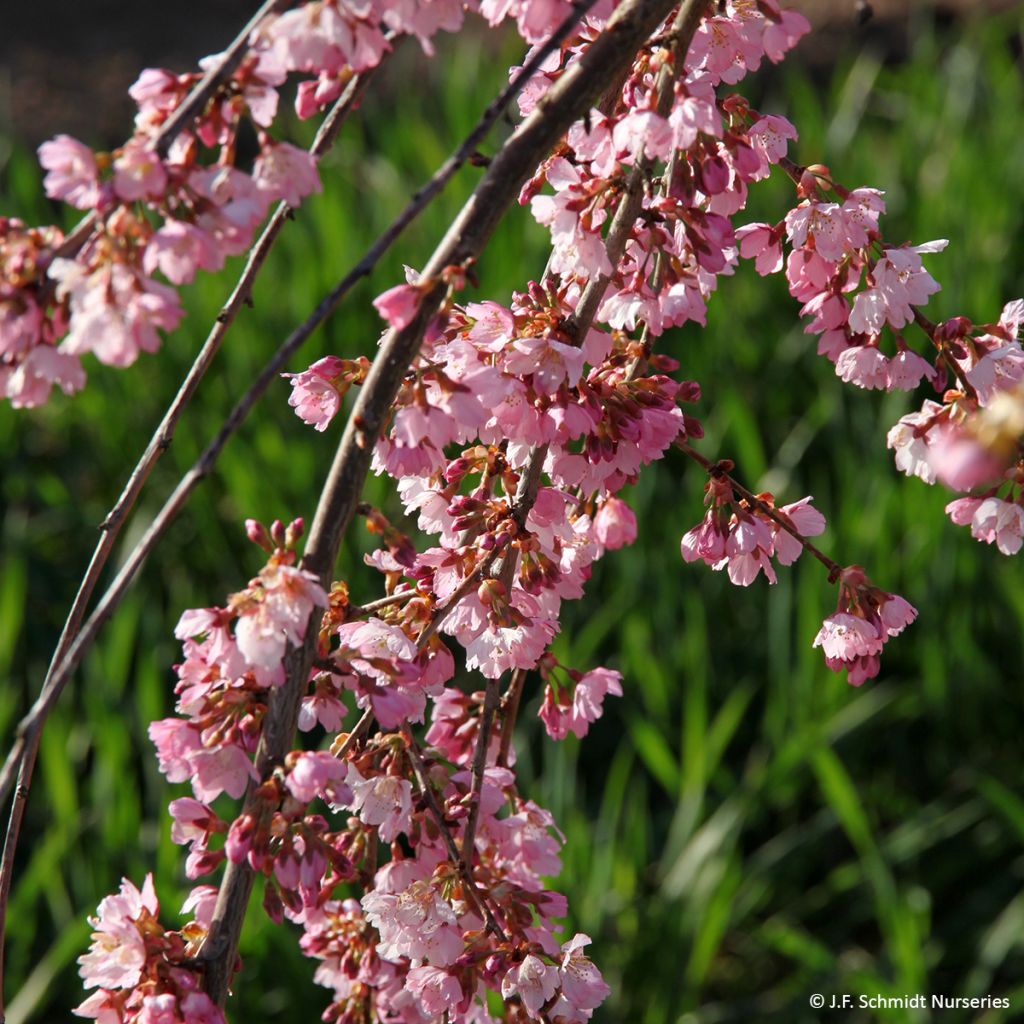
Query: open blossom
[
  {"x": 900, "y": 283},
  {"x": 573, "y": 708},
  {"x": 910, "y": 440},
  {"x": 178, "y": 249},
  {"x": 534, "y": 981},
  {"x": 416, "y": 923},
  {"x": 139, "y": 174},
  {"x": 384, "y": 801},
  {"x": 71, "y": 172},
  {"x": 436, "y": 989},
  {"x": 315, "y": 397},
  {"x": 274, "y": 612},
  {"x": 283, "y": 171},
  {"x": 583, "y": 987},
  {"x": 118, "y": 951}
]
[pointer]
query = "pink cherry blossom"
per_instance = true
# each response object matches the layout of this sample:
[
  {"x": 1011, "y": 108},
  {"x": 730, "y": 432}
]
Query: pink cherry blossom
[
  {"x": 315, "y": 397},
  {"x": 71, "y": 172},
  {"x": 614, "y": 524},
  {"x": 992, "y": 520},
  {"x": 283, "y": 171},
  {"x": 398, "y": 305},
  {"x": 118, "y": 951},
  {"x": 384, "y": 801},
  {"x": 534, "y": 981},
  {"x": 139, "y": 174},
  {"x": 274, "y": 612}
]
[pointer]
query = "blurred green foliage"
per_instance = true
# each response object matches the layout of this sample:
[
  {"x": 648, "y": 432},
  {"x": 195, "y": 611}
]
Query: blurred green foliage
[{"x": 744, "y": 829}]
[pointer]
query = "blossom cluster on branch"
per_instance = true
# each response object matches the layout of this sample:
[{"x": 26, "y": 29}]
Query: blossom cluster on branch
[{"x": 414, "y": 867}]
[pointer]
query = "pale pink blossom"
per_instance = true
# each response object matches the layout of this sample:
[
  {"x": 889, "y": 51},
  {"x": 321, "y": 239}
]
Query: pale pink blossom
[
  {"x": 274, "y": 612},
  {"x": 906, "y": 370},
  {"x": 614, "y": 524},
  {"x": 770, "y": 136},
  {"x": 398, "y": 305},
  {"x": 437, "y": 990},
  {"x": 318, "y": 774},
  {"x": 283, "y": 171},
  {"x": 315, "y": 396},
  {"x": 416, "y": 923},
  {"x": 864, "y": 366},
  {"x": 118, "y": 951},
  {"x": 178, "y": 249},
  {"x": 139, "y": 173},
  {"x": 900, "y": 283},
  {"x": 760, "y": 243},
  {"x": 992, "y": 520},
  {"x": 71, "y": 172},
  {"x": 583, "y": 987},
  {"x": 384, "y": 801},
  {"x": 534, "y": 981},
  {"x": 549, "y": 361},
  {"x": 909, "y": 439},
  {"x": 807, "y": 521}
]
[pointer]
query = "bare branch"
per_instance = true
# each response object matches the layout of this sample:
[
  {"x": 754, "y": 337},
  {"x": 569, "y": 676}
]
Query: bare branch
[
  {"x": 483, "y": 741},
  {"x": 509, "y": 711}
]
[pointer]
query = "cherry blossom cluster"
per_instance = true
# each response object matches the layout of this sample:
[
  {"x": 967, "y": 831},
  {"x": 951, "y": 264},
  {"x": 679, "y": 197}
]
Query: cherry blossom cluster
[
  {"x": 743, "y": 537},
  {"x": 858, "y": 291},
  {"x": 157, "y": 213},
  {"x": 141, "y": 971},
  {"x": 414, "y": 867},
  {"x": 420, "y": 942}
]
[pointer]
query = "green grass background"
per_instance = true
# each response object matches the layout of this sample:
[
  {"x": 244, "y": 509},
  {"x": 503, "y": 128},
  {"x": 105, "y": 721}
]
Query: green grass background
[{"x": 744, "y": 828}]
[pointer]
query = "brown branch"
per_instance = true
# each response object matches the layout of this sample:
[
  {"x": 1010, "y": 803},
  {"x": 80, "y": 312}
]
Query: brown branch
[
  {"x": 384, "y": 602},
  {"x": 715, "y": 469},
  {"x": 567, "y": 99},
  {"x": 483, "y": 741},
  {"x": 509, "y": 710}
]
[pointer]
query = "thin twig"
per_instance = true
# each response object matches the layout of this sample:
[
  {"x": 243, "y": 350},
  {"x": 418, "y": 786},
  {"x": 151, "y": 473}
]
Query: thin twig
[
  {"x": 715, "y": 469},
  {"x": 567, "y": 99},
  {"x": 509, "y": 712},
  {"x": 384, "y": 602},
  {"x": 483, "y": 741}
]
